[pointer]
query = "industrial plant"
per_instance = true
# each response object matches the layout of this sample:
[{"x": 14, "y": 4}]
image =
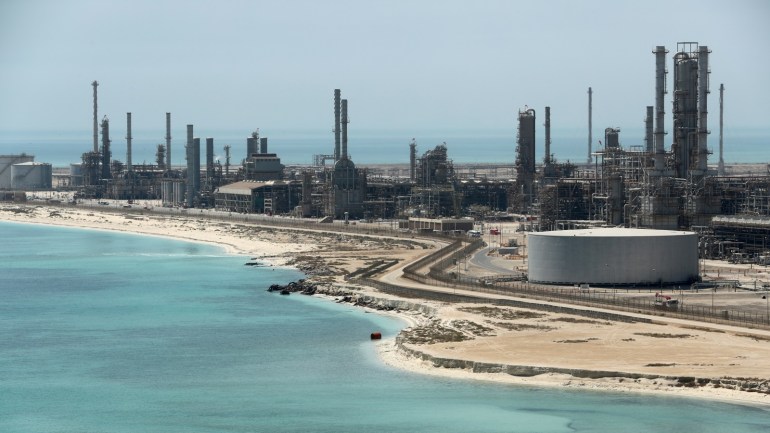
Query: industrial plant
[{"x": 666, "y": 183}]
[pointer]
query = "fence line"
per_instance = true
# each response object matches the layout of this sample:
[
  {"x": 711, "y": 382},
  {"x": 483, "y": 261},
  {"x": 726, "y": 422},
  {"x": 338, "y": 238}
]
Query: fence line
[{"x": 445, "y": 258}]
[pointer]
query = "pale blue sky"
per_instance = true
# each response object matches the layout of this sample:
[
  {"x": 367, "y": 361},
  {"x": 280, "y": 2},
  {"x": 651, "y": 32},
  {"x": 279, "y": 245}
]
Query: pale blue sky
[{"x": 402, "y": 65}]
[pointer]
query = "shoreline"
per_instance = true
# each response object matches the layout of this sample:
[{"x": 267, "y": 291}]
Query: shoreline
[{"x": 283, "y": 248}]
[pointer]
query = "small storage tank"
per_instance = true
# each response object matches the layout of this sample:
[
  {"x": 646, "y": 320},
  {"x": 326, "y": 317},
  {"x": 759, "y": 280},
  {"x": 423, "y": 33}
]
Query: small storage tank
[
  {"x": 613, "y": 256},
  {"x": 31, "y": 175},
  {"x": 76, "y": 174}
]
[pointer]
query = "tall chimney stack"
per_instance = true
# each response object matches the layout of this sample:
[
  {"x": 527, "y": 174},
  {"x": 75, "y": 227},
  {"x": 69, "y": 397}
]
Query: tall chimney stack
[
  {"x": 209, "y": 159},
  {"x": 547, "y": 159},
  {"x": 344, "y": 123},
  {"x": 96, "y": 120},
  {"x": 703, "y": 91},
  {"x": 721, "y": 166},
  {"x": 336, "y": 124},
  {"x": 649, "y": 139},
  {"x": 590, "y": 127},
  {"x": 413, "y": 160},
  {"x": 660, "y": 112},
  {"x": 190, "y": 167},
  {"x": 106, "y": 154},
  {"x": 168, "y": 141},
  {"x": 128, "y": 143}
]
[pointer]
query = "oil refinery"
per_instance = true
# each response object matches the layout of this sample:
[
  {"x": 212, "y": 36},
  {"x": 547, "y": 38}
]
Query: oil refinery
[{"x": 666, "y": 183}]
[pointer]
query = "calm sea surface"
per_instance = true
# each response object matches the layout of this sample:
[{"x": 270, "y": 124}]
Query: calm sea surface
[
  {"x": 62, "y": 148},
  {"x": 106, "y": 332}
]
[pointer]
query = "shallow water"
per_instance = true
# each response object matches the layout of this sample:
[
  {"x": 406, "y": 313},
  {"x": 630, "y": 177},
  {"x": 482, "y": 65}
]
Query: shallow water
[{"x": 119, "y": 333}]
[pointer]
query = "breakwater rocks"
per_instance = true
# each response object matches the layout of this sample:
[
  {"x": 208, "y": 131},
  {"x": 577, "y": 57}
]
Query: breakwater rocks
[
  {"x": 300, "y": 286},
  {"x": 347, "y": 294}
]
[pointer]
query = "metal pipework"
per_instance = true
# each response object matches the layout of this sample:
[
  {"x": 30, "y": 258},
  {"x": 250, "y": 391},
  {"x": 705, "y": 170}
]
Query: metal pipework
[
  {"x": 660, "y": 112},
  {"x": 344, "y": 123},
  {"x": 703, "y": 91},
  {"x": 168, "y": 141},
  {"x": 547, "y": 159},
  {"x": 336, "y": 124},
  {"x": 128, "y": 142},
  {"x": 95, "y": 84}
]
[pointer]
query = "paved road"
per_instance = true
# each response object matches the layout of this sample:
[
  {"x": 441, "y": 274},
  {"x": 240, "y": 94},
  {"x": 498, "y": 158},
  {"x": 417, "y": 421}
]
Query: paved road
[{"x": 482, "y": 260}]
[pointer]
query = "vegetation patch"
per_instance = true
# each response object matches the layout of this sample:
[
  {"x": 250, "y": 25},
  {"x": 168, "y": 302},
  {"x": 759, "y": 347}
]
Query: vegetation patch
[
  {"x": 503, "y": 313},
  {"x": 473, "y": 328},
  {"x": 575, "y": 320},
  {"x": 432, "y": 334},
  {"x": 662, "y": 335},
  {"x": 660, "y": 364},
  {"x": 754, "y": 337},
  {"x": 522, "y": 327},
  {"x": 701, "y": 328},
  {"x": 576, "y": 341}
]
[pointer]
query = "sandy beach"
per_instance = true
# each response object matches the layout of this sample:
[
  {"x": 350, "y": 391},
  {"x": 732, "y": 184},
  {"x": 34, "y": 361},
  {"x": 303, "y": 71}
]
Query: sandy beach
[{"x": 521, "y": 346}]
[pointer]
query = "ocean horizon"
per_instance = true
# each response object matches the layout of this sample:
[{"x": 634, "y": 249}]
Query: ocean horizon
[
  {"x": 114, "y": 332},
  {"x": 297, "y": 146}
]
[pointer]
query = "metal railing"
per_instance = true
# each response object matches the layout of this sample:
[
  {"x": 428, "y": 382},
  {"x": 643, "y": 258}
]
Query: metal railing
[{"x": 445, "y": 258}]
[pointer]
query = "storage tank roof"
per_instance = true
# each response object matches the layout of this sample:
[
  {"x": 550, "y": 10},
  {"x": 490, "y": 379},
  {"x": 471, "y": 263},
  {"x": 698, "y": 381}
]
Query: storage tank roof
[
  {"x": 613, "y": 232},
  {"x": 33, "y": 163}
]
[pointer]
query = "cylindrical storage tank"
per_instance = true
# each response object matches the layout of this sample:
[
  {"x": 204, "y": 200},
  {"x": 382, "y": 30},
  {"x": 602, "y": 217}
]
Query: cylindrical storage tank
[
  {"x": 6, "y": 161},
  {"x": 31, "y": 175},
  {"x": 76, "y": 174},
  {"x": 613, "y": 256}
]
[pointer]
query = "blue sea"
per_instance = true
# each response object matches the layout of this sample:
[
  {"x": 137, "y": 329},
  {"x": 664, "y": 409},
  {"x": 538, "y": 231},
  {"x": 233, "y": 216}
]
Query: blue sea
[
  {"x": 109, "y": 332},
  {"x": 61, "y": 148}
]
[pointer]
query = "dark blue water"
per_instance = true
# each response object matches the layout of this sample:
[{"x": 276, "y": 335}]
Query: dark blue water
[
  {"x": 104, "y": 332},
  {"x": 61, "y": 148}
]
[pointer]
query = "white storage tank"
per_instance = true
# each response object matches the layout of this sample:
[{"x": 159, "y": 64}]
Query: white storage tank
[
  {"x": 31, "y": 175},
  {"x": 76, "y": 174},
  {"x": 6, "y": 161},
  {"x": 613, "y": 256}
]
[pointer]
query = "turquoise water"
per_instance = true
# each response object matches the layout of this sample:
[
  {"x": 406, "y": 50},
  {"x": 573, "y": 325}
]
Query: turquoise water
[{"x": 106, "y": 332}]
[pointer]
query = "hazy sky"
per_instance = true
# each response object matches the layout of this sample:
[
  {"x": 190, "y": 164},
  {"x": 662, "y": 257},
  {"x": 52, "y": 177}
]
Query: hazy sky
[{"x": 403, "y": 65}]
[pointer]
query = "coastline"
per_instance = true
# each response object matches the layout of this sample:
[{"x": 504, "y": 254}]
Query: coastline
[{"x": 281, "y": 248}]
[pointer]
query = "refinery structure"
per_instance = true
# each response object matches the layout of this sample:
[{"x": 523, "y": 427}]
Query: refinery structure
[{"x": 665, "y": 183}]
